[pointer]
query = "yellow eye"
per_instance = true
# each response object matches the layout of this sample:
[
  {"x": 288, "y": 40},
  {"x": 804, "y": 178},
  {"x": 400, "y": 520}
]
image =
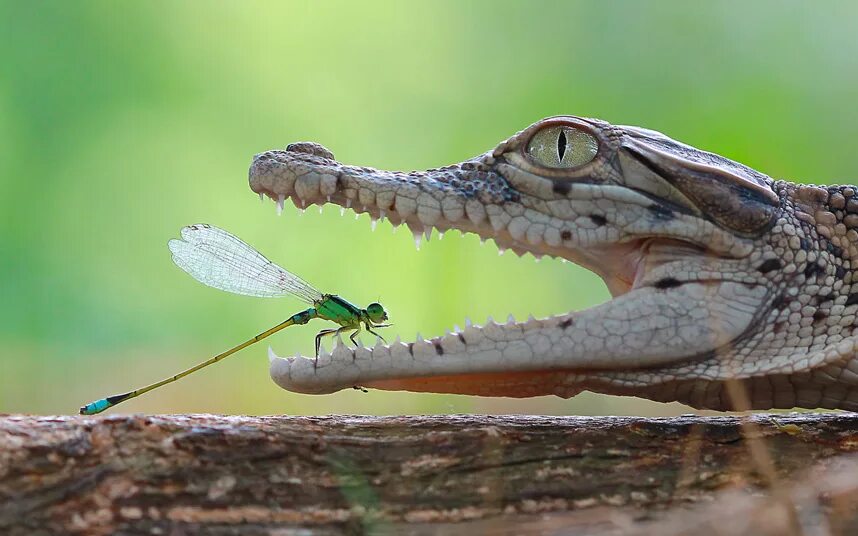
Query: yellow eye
[{"x": 562, "y": 147}]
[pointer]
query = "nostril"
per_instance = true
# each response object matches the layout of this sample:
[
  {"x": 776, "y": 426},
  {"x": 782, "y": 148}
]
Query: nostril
[{"x": 309, "y": 147}]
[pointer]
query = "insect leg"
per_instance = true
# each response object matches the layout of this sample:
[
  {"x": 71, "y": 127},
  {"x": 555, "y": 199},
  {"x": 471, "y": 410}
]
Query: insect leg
[
  {"x": 355, "y": 334},
  {"x": 319, "y": 336},
  {"x": 368, "y": 328},
  {"x": 342, "y": 329}
]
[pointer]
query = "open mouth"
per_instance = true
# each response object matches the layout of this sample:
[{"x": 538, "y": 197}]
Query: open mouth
[
  {"x": 306, "y": 174},
  {"x": 562, "y": 189}
]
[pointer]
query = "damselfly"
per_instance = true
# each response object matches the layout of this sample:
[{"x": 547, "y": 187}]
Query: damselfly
[{"x": 218, "y": 259}]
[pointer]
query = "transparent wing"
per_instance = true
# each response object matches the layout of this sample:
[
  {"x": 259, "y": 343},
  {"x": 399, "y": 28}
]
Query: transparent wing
[{"x": 218, "y": 259}]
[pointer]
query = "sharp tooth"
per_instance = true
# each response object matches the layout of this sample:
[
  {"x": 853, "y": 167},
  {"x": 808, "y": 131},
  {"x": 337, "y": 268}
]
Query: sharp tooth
[
  {"x": 341, "y": 352},
  {"x": 427, "y": 233},
  {"x": 563, "y": 260},
  {"x": 482, "y": 241},
  {"x": 348, "y": 203},
  {"x": 537, "y": 257},
  {"x": 501, "y": 250},
  {"x": 417, "y": 237},
  {"x": 280, "y": 199},
  {"x": 363, "y": 208},
  {"x": 398, "y": 340},
  {"x": 379, "y": 352},
  {"x": 342, "y": 211},
  {"x": 378, "y": 343},
  {"x": 440, "y": 235},
  {"x": 373, "y": 223},
  {"x": 456, "y": 328},
  {"x": 322, "y": 350},
  {"x": 261, "y": 196},
  {"x": 381, "y": 214},
  {"x": 329, "y": 199},
  {"x": 357, "y": 215},
  {"x": 468, "y": 322},
  {"x": 530, "y": 318},
  {"x": 490, "y": 320},
  {"x": 339, "y": 341},
  {"x": 303, "y": 205},
  {"x": 447, "y": 331},
  {"x": 510, "y": 319},
  {"x": 418, "y": 337},
  {"x": 320, "y": 208},
  {"x": 271, "y": 355}
]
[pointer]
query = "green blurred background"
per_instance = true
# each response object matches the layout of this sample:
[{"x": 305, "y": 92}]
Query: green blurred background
[{"x": 121, "y": 122}]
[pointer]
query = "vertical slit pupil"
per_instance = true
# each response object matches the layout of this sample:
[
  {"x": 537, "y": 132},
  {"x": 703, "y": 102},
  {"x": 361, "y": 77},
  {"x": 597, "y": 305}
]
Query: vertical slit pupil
[{"x": 561, "y": 145}]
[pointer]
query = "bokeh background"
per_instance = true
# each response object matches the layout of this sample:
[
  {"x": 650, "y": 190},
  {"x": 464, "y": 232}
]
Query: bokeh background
[{"x": 121, "y": 122}]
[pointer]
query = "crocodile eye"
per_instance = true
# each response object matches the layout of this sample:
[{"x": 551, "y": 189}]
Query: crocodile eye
[{"x": 562, "y": 147}]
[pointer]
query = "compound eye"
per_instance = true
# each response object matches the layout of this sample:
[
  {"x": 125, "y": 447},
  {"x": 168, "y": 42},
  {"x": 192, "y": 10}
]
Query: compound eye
[
  {"x": 562, "y": 146},
  {"x": 376, "y": 312}
]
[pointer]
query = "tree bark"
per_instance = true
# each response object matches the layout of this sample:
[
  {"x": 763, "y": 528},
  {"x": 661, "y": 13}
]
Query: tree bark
[{"x": 179, "y": 474}]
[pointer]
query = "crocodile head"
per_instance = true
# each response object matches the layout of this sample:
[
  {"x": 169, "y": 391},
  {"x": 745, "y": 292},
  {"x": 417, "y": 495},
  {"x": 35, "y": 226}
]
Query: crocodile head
[{"x": 684, "y": 239}]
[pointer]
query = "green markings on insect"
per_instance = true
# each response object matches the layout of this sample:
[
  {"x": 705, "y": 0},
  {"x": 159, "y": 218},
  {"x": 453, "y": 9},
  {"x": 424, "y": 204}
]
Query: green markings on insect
[{"x": 220, "y": 260}]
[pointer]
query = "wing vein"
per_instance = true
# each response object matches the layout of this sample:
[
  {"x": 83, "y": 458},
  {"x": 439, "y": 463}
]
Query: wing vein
[{"x": 221, "y": 260}]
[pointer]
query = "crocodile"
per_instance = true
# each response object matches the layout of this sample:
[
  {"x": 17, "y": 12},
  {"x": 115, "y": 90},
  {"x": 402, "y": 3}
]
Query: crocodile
[{"x": 720, "y": 276}]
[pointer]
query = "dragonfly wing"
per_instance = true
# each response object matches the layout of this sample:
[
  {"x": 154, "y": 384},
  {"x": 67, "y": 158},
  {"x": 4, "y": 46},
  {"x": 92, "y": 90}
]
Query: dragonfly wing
[{"x": 221, "y": 260}]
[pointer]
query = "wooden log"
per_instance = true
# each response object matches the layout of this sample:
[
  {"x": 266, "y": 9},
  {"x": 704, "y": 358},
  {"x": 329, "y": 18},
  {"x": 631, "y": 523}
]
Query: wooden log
[{"x": 179, "y": 474}]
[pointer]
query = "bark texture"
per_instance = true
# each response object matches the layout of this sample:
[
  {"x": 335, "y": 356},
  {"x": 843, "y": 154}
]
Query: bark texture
[{"x": 180, "y": 474}]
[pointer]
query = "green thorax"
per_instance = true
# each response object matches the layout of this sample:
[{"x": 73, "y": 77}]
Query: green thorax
[{"x": 332, "y": 307}]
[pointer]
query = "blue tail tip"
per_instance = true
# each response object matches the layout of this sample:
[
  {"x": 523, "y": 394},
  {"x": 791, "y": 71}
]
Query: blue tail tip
[{"x": 95, "y": 407}]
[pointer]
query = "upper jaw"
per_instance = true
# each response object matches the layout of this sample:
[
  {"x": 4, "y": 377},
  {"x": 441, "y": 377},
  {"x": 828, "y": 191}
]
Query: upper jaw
[
  {"x": 474, "y": 196},
  {"x": 441, "y": 199},
  {"x": 595, "y": 220}
]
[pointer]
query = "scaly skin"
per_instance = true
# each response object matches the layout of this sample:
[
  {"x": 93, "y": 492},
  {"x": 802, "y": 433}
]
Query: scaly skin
[{"x": 718, "y": 273}]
